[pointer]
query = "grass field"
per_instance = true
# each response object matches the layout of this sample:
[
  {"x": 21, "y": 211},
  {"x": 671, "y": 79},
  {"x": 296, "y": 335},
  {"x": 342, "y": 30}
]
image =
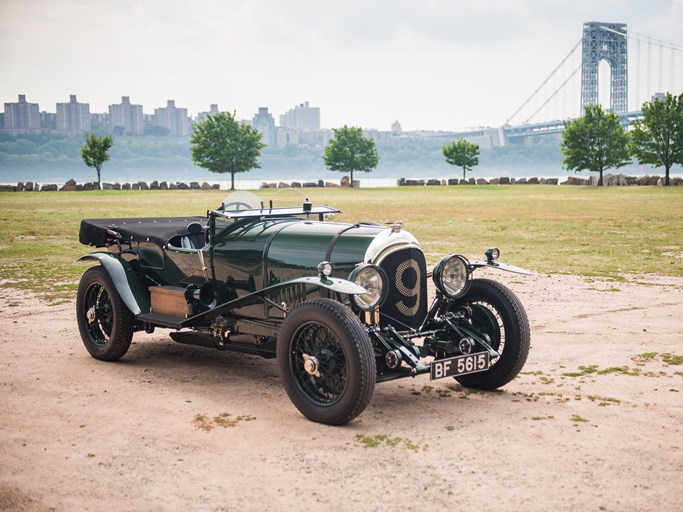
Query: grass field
[{"x": 590, "y": 231}]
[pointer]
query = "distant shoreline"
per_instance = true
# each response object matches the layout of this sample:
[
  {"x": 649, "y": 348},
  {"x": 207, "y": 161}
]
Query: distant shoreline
[{"x": 257, "y": 184}]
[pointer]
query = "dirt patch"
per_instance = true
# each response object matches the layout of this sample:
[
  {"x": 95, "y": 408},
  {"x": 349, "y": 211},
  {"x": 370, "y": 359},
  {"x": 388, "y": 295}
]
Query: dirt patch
[{"x": 592, "y": 423}]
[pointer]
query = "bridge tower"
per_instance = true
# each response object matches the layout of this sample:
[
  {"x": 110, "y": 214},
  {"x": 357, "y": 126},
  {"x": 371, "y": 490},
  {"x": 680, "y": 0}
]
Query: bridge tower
[{"x": 604, "y": 41}]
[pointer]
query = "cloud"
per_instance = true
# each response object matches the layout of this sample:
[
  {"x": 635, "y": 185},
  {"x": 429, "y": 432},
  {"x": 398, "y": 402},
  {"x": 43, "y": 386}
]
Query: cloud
[{"x": 431, "y": 63}]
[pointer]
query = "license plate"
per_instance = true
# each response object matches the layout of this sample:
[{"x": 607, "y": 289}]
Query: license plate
[{"x": 460, "y": 365}]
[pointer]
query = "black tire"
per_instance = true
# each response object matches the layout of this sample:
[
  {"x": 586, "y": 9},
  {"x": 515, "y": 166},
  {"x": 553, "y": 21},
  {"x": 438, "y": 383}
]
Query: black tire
[
  {"x": 338, "y": 382},
  {"x": 497, "y": 311},
  {"x": 105, "y": 322}
]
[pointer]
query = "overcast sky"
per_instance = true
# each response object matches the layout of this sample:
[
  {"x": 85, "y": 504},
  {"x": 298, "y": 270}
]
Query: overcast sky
[{"x": 430, "y": 64}]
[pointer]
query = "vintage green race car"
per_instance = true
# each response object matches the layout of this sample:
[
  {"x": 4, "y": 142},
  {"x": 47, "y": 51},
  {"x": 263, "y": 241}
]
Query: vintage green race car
[{"x": 341, "y": 306}]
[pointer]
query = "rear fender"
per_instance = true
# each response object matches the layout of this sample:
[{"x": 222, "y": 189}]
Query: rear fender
[{"x": 125, "y": 280}]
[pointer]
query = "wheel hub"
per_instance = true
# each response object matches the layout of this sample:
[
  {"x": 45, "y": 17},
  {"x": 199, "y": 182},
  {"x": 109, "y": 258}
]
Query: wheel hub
[
  {"x": 466, "y": 345},
  {"x": 311, "y": 365},
  {"x": 91, "y": 315}
]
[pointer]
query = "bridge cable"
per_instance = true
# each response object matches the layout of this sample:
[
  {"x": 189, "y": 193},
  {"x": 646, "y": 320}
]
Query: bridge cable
[
  {"x": 544, "y": 82},
  {"x": 639, "y": 38},
  {"x": 553, "y": 94}
]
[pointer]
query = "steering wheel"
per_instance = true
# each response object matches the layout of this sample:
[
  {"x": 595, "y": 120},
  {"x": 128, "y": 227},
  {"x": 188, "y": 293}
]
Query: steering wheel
[{"x": 238, "y": 205}]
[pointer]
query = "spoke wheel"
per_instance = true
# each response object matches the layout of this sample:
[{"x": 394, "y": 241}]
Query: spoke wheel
[
  {"x": 487, "y": 319},
  {"x": 326, "y": 362},
  {"x": 497, "y": 313},
  {"x": 104, "y": 321},
  {"x": 318, "y": 363}
]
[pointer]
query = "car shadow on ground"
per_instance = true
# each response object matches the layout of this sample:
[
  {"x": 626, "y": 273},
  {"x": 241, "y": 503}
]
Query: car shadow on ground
[
  {"x": 163, "y": 355},
  {"x": 158, "y": 357}
]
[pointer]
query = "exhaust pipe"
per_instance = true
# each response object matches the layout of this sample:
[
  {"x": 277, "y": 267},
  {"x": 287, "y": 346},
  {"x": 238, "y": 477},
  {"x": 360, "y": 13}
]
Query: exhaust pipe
[{"x": 204, "y": 295}]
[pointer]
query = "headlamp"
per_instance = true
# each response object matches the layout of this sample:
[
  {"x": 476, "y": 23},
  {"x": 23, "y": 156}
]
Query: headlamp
[
  {"x": 325, "y": 268},
  {"x": 492, "y": 254},
  {"x": 374, "y": 280},
  {"x": 451, "y": 276}
]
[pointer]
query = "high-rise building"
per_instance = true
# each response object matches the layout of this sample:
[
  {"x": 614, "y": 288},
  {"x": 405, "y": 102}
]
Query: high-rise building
[
  {"x": 22, "y": 117},
  {"x": 301, "y": 117},
  {"x": 73, "y": 117},
  {"x": 126, "y": 118},
  {"x": 174, "y": 119},
  {"x": 264, "y": 122},
  {"x": 213, "y": 110}
]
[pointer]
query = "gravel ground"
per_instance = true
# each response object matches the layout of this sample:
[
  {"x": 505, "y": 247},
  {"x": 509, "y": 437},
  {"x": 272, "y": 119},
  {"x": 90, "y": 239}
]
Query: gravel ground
[{"x": 174, "y": 427}]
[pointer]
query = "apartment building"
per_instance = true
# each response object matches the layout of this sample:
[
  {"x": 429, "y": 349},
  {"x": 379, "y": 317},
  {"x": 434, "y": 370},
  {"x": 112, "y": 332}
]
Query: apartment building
[
  {"x": 73, "y": 117},
  {"x": 126, "y": 118},
  {"x": 301, "y": 117},
  {"x": 174, "y": 119},
  {"x": 21, "y": 117}
]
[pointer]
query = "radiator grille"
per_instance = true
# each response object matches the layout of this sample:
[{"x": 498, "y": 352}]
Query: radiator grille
[{"x": 406, "y": 305}]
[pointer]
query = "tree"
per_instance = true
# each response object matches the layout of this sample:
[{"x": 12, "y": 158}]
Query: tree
[
  {"x": 154, "y": 130},
  {"x": 221, "y": 144},
  {"x": 350, "y": 151},
  {"x": 657, "y": 138},
  {"x": 594, "y": 142},
  {"x": 95, "y": 152},
  {"x": 462, "y": 154}
]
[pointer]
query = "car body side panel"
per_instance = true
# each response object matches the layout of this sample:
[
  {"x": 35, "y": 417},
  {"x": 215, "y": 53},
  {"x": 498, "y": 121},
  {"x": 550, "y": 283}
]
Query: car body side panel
[
  {"x": 237, "y": 258},
  {"x": 188, "y": 263},
  {"x": 258, "y": 254},
  {"x": 342, "y": 244},
  {"x": 272, "y": 251}
]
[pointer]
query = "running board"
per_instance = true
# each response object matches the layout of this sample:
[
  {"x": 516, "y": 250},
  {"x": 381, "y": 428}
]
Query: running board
[{"x": 172, "y": 322}]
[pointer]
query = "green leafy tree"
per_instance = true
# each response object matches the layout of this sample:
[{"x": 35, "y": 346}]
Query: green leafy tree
[
  {"x": 221, "y": 144},
  {"x": 657, "y": 138},
  {"x": 462, "y": 153},
  {"x": 154, "y": 130},
  {"x": 350, "y": 151},
  {"x": 95, "y": 152},
  {"x": 594, "y": 142}
]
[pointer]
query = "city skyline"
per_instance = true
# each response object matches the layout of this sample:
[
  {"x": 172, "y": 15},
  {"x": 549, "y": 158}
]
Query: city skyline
[
  {"x": 26, "y": 115},
  {"x": 434, "y": 66}
]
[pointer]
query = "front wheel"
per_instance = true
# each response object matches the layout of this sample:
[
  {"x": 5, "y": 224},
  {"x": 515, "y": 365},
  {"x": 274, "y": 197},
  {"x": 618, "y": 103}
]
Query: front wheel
[
  {"x": 497, "y": 312},
  {"x": 326, "y": 362},
  {"x": 104, "y": 321}
]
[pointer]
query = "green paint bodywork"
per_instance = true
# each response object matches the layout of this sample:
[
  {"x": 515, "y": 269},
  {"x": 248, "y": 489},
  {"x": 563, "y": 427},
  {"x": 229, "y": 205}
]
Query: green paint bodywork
[
  {"x": 277, "y": 250},
  {"x": 253, "y": 259}
]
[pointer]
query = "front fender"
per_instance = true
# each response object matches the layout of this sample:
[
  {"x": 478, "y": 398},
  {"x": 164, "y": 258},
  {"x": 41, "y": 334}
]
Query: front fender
[
  {"x": 500, "y": 266},
  {"x": 335, "y": 284},
  {"x": 125, "y": 280}
]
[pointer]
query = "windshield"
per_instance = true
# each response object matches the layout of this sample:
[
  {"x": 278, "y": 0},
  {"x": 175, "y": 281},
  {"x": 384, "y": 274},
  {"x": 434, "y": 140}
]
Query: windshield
[{"x": 240, "y": 200}]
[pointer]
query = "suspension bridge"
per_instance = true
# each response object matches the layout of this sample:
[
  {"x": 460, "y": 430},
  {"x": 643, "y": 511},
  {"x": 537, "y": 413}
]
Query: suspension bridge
[{"x": 610, "y": 65}]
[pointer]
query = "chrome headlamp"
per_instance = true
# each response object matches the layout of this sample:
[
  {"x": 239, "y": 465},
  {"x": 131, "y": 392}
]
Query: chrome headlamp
[
  {"x": 492, "y": 254},
  {"x": 325, "y": 269},
  {"x": 451, "y": 276},
  {"x": 374, "y": 280}
]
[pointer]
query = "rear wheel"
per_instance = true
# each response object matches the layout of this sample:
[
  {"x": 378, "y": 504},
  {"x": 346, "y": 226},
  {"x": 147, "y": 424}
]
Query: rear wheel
[
  {"x": 326, "y": 362},
  {"x": 498, "y": 313},
  {"x": 105, "y": 323}
]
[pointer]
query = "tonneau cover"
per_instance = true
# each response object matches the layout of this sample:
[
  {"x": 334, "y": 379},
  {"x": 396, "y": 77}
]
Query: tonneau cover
[{"x": 157, "y": 230}]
